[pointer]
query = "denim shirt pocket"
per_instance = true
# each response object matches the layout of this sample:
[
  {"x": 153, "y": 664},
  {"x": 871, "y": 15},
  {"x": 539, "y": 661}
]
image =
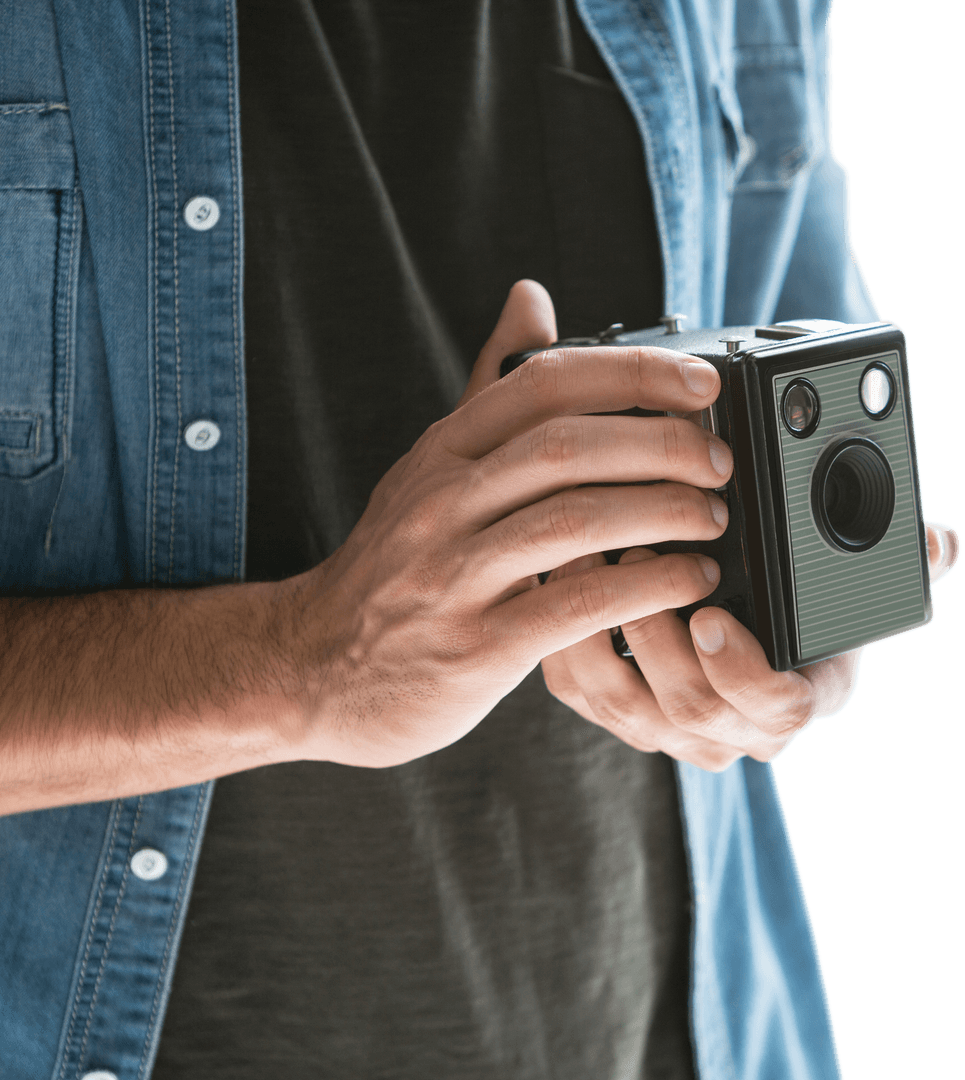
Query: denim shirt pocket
[
  {"x": 740, "y": 148},
  {"x": 39, "y": 245},
  {"x": 778, "y": 102}
]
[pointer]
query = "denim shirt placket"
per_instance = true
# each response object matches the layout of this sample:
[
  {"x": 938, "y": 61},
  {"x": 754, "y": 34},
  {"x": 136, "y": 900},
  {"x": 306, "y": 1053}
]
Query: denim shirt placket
[{"x": 194, "y": 502}]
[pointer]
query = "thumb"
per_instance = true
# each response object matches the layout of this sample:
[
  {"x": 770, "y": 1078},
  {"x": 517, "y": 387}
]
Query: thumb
[
  {"x": 942, "y": 546},
  {"x": 527, "y": 321}
]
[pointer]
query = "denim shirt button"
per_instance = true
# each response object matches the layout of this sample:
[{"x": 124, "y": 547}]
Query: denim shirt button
[
  {"x": 148, "y": 865},
  {"x": 202, "y": 434},
  {"x": 99, "y": 1074},
  {"x": 202, "y": 213}
]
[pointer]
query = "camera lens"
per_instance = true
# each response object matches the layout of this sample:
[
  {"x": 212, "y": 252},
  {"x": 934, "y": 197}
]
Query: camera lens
[
  {"x": 853, "y": 494},
  {"x": 877, "y": 391},
  {"x": 800, "y": 408}
]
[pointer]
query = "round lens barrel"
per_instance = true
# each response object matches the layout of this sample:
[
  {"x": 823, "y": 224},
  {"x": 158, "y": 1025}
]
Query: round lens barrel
[
  {"x": 800, "y": 408},
  {"x": 877, "y": 391},
  {"x": 853, "y": 495}
]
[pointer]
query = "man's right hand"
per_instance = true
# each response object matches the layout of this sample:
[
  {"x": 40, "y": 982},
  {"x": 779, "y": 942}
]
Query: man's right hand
[
  {"x": 402, "y": 641},
  {"x": 431, "y": 612}
]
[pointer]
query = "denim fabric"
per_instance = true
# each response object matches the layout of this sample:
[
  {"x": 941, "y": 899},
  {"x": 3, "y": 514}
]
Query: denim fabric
[{"x": 122, "y": 325}]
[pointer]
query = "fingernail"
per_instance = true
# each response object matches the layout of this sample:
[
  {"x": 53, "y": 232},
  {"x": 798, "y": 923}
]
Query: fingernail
[
  {"x": 718, "y": 509},
  {"x": 701, "y": 377},
  {"x": 710, "y": 568},
  {"x": 721, "y": 457},
  {"x": 709, "y": 635}
]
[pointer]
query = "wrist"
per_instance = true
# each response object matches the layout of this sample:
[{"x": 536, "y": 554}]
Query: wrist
[{"x": 274, "y": 704}]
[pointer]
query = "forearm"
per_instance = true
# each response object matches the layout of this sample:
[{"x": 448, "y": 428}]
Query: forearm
[{"x": 123, "y": 692}]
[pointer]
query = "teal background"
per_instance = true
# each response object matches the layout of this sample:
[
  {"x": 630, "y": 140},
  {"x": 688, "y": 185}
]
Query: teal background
[{"x": 873, "y": 795}]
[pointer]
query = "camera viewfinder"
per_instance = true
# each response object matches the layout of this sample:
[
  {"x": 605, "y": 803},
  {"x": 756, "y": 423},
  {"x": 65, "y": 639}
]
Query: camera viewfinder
[
  {"x": 800, "y": 408},
  {"x": 877, "y": 391}
]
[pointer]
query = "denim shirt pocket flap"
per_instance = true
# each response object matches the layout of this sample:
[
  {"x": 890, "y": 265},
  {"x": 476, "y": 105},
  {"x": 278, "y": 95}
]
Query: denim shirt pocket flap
[
  {"x": 38, "y": 227},
  {"x": 778, "y": 104}
]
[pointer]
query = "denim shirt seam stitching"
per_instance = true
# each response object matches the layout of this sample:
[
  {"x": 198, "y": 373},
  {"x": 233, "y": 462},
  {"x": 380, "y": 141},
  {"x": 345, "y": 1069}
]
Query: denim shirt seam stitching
[
  {"x": 154, "y": 288},
  {"x": 23, "y": 414},
  {"x": 41, "y": 107},
  {"x": 177, "y": 311},
  {"x": 110, "y": 932},
  {"x": 68, "y": 337},
  {"x": 185, "y": 874},
  {"x": 90, "y": 939},
  {"x": 236, "y": 253}
]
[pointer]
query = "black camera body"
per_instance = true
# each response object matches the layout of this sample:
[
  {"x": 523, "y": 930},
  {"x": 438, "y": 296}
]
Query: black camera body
[{"x": 825, "y": 549}]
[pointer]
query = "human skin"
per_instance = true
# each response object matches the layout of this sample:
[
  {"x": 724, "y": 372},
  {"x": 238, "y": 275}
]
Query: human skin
[
  {"x": 704, "y": 693},
  {"x": 408, "y": 635}
]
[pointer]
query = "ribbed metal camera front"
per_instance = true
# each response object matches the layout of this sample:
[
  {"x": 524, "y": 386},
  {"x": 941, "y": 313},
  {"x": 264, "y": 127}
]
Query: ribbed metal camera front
[
  {"x": 852, "y": 523},
  {"x": 853, "y": 494}
]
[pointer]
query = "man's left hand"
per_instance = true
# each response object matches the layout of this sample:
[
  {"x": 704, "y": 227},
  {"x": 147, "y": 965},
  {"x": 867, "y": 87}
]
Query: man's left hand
[{"x": 706, "y": 693}]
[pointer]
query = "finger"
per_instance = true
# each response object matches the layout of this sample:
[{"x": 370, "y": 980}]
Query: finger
[
  {"x": 576, "y": 566},
  {"x": 942, "y": 550},
  {"x": 610, "y": 692},
  {"x": 832, "y": 681},
  {"x": 579, "y": 521},
  {"x": 527, "y": 321},
  {"x": 779, "y": 702},
  {"x": 560, "y": 382},
  {"x": 557, "y": 675},
  {"x": 664, "y": 651},
  {"x": 560, "y": 613},
  {"x": 568, "y": 451}
]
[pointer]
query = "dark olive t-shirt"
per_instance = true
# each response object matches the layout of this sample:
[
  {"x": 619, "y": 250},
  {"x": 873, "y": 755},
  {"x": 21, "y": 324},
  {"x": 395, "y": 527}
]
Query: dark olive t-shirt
[{"x": 516, "y": 905}]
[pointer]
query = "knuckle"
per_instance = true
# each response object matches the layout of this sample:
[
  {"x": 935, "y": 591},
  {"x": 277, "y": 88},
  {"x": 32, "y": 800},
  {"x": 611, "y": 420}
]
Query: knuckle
[
  {"x": 557, "y": 444},
  {"x": 566, "y": 692},
  {"x": 797, "y": 711},
  {"x": 635, "y": 365},
  {"x": 830, "y": 682},
  {"x": 680, "y": 504},
  {"x": 567, "y": 518},
  {"x": 588, "y": 598},
  {"x": 432, "y": 447},
  {"x": 613, "y": 711},
  {"x": 562, "y": 687},
  {"x": 678, "y": 576},
  {"x": 718, "y": 759},
  {"x": 672, "y": 444},
  {"x": 622, "y": 717},
  {"x": 643, "y": 632},
  {"x": 421, "y": 522},
  {"x": 689, "y": 709},
  {"x": 542, "y": 374}
]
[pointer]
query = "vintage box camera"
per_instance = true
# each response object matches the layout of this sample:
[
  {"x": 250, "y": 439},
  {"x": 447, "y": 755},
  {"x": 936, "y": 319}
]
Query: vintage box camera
[{"x": 825, "y": 549}]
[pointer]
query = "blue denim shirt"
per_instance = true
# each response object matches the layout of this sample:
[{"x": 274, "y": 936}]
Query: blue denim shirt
[{"x": 121, "y": 326}]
